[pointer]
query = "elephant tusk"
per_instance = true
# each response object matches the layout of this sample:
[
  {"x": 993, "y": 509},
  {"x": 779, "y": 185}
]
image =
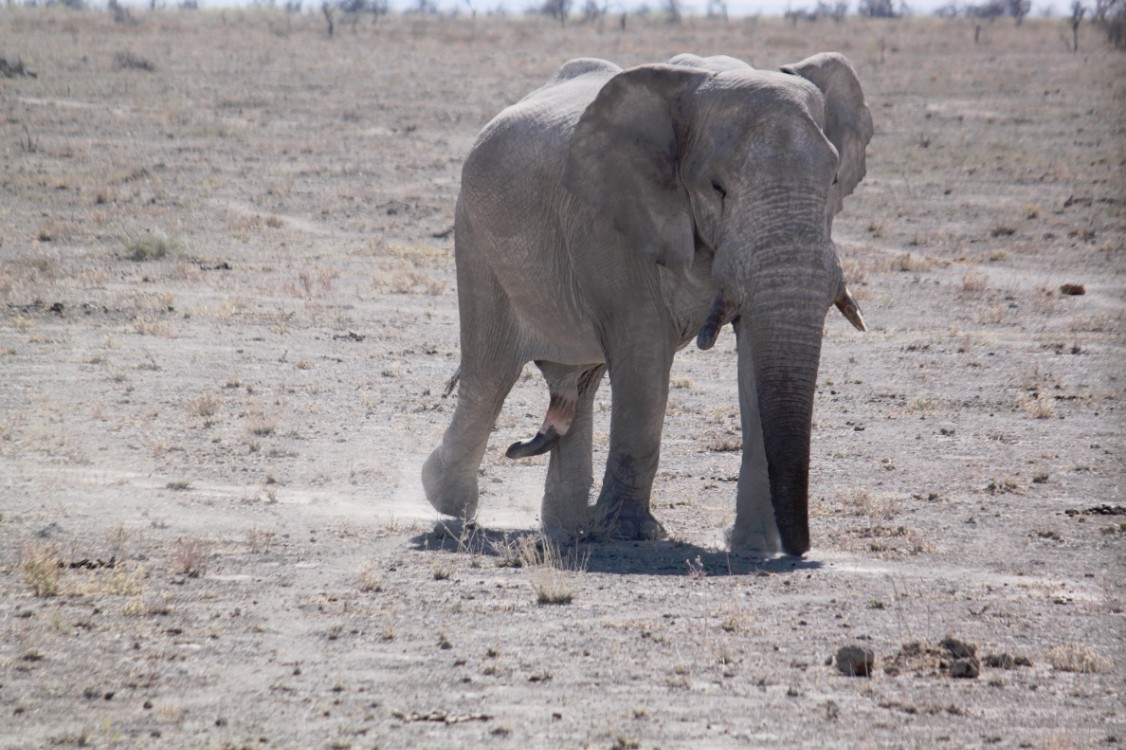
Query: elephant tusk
[{"x": 848, "y": 307}]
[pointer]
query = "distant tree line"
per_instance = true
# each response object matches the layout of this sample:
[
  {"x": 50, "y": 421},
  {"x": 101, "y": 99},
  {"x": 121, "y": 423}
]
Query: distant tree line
[
  {"x": 988, "y": 10},
  {"x": 1108, "y": 15}
]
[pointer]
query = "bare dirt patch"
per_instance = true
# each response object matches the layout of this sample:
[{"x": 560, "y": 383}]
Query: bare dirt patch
[{"x": 227, "y": 315}]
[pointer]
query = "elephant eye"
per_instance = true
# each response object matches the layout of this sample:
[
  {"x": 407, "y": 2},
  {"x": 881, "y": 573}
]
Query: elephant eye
[{"x": 719, "y": 189}]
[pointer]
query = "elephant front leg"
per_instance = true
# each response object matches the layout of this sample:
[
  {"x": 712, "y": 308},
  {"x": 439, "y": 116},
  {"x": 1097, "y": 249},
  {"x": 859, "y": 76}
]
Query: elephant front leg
[
  {"x": 755, "y": 530},
  {"x": 639, "y": 388}
]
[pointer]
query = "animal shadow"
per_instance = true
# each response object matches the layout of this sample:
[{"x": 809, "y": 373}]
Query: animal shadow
[{"x": 513, "y": 547}]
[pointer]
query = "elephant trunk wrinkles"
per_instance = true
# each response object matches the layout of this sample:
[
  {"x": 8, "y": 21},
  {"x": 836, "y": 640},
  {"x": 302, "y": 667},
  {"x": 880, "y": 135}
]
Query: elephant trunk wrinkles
[{"x": 780, "y": 347}]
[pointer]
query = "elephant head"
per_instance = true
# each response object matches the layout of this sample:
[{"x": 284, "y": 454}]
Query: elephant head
[{"x": 748, "y": 168}]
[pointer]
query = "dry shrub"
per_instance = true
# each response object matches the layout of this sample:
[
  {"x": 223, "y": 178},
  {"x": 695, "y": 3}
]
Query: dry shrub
[
  {"x": 125, "y": 60},
  {"x": 991, "y": 314},
  {"x": 864, "y": 503},
  {"x": 973, "y": 281},
  {"x": 1073, "y": 657},
  {"x": 259, "y": 540},
  {"x": 205, "y": 405},
  {"x": 261, "y": 424},
  {"x": 149, "y": 247},
  {"x": 369, "y": 581},
  {"x": 310, "y": 284},
  {"x": 189, "y": 556},
  {"x": 1043, "y": 299},
  {"x": 910, "y": 263}
]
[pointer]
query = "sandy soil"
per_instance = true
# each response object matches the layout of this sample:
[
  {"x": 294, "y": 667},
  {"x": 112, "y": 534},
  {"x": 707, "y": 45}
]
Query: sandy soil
[{"x": 227, "y": 314}]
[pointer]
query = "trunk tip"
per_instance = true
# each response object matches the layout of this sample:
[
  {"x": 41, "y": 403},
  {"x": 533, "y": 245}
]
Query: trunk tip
[{"x": 795, "y": 541}]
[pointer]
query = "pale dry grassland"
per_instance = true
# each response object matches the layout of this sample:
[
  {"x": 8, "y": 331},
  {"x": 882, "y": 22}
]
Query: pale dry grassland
[{"x": 227, "y": 315}]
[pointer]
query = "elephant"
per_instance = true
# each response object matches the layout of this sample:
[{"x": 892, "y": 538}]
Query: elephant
[{"x": 612, "y": 215}]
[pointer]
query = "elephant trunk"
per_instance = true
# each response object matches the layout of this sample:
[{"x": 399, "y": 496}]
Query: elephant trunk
[{"x": 779, "y": 349}]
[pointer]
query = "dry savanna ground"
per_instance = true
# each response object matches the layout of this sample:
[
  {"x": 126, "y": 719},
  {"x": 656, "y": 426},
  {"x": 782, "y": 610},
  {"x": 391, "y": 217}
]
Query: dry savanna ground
[{"x": 227, "y": 314}]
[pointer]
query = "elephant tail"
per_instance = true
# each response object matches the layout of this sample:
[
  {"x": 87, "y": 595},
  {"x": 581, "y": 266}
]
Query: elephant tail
[{"x": 452, "y": 383}]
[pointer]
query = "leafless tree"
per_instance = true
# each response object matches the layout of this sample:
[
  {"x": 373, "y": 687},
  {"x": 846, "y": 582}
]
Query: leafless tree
[
  {"x": 1078, "y": 10},
  {"x": 880, "y": 9},
  {"x": 1111, "y": 16},
  {"x": 557, "y": 9},
  {"x": 836, "y": 10},
  {"x": 674, "y": 10},
  {"x": 987, "y": 11},
  {"x": 1018, "y": 9}
]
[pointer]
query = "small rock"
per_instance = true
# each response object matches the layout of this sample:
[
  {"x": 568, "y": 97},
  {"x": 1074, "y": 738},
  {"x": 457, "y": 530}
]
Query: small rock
[
  {"x": 1006, "y": 661},
  {"x": 1000, "y": 661},
  {"x": 855, "y": 661},
  {"x": 967, "y": 668},
  {"x": 1073, "y": 289},
  {"x": 958, "y": 648}
]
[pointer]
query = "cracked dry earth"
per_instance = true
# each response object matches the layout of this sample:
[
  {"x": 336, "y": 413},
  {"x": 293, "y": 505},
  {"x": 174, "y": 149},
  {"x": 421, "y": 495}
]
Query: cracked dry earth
[{"x": 227, "y": 314}]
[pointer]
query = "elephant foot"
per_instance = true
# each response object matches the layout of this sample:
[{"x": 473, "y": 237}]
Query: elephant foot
[
  {"x": 544, "y": 441},
  {"x": 451, "y": 493},
  {"x": 623, "y": 524},
  {"x": 565, "y": 517},
  {"x": 757, "y": 543}
]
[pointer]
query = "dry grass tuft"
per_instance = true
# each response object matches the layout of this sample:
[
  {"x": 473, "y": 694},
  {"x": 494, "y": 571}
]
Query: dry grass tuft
[
  {"x": 149, "y": 247},
  {"x": 991, "y": 314},
  {"x": 552, "y": 573},
  {"x": 206, "y": 405},
  {"x": 1037, "y": 405},
  {"x": 910, "y": 263},
  {"x": 42, "y": 569},
  {"x": 121, "y": 580},
  {"x": 259, "y": 540},
  {"x": 369, "y": 581},
  {"x": 1073, "y": 657},
  {"x": 408, "y": 281},
  {"x": 261, "y": 424},
  {"x": 974, "y": 282},
  {"x": 725, "y": 444}
]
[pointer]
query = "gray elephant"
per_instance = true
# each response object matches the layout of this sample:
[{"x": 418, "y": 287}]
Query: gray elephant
[{"x": 612, "y": 215}]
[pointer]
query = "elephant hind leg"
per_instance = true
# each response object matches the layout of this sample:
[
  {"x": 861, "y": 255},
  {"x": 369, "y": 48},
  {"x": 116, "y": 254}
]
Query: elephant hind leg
[{"x": 563, "y": 385}]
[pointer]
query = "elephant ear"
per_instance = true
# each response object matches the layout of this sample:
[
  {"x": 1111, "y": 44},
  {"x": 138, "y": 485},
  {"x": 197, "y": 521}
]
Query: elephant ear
[
  {"x": 848, "y": 123},
  {"x": 622, "y": 160}
]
